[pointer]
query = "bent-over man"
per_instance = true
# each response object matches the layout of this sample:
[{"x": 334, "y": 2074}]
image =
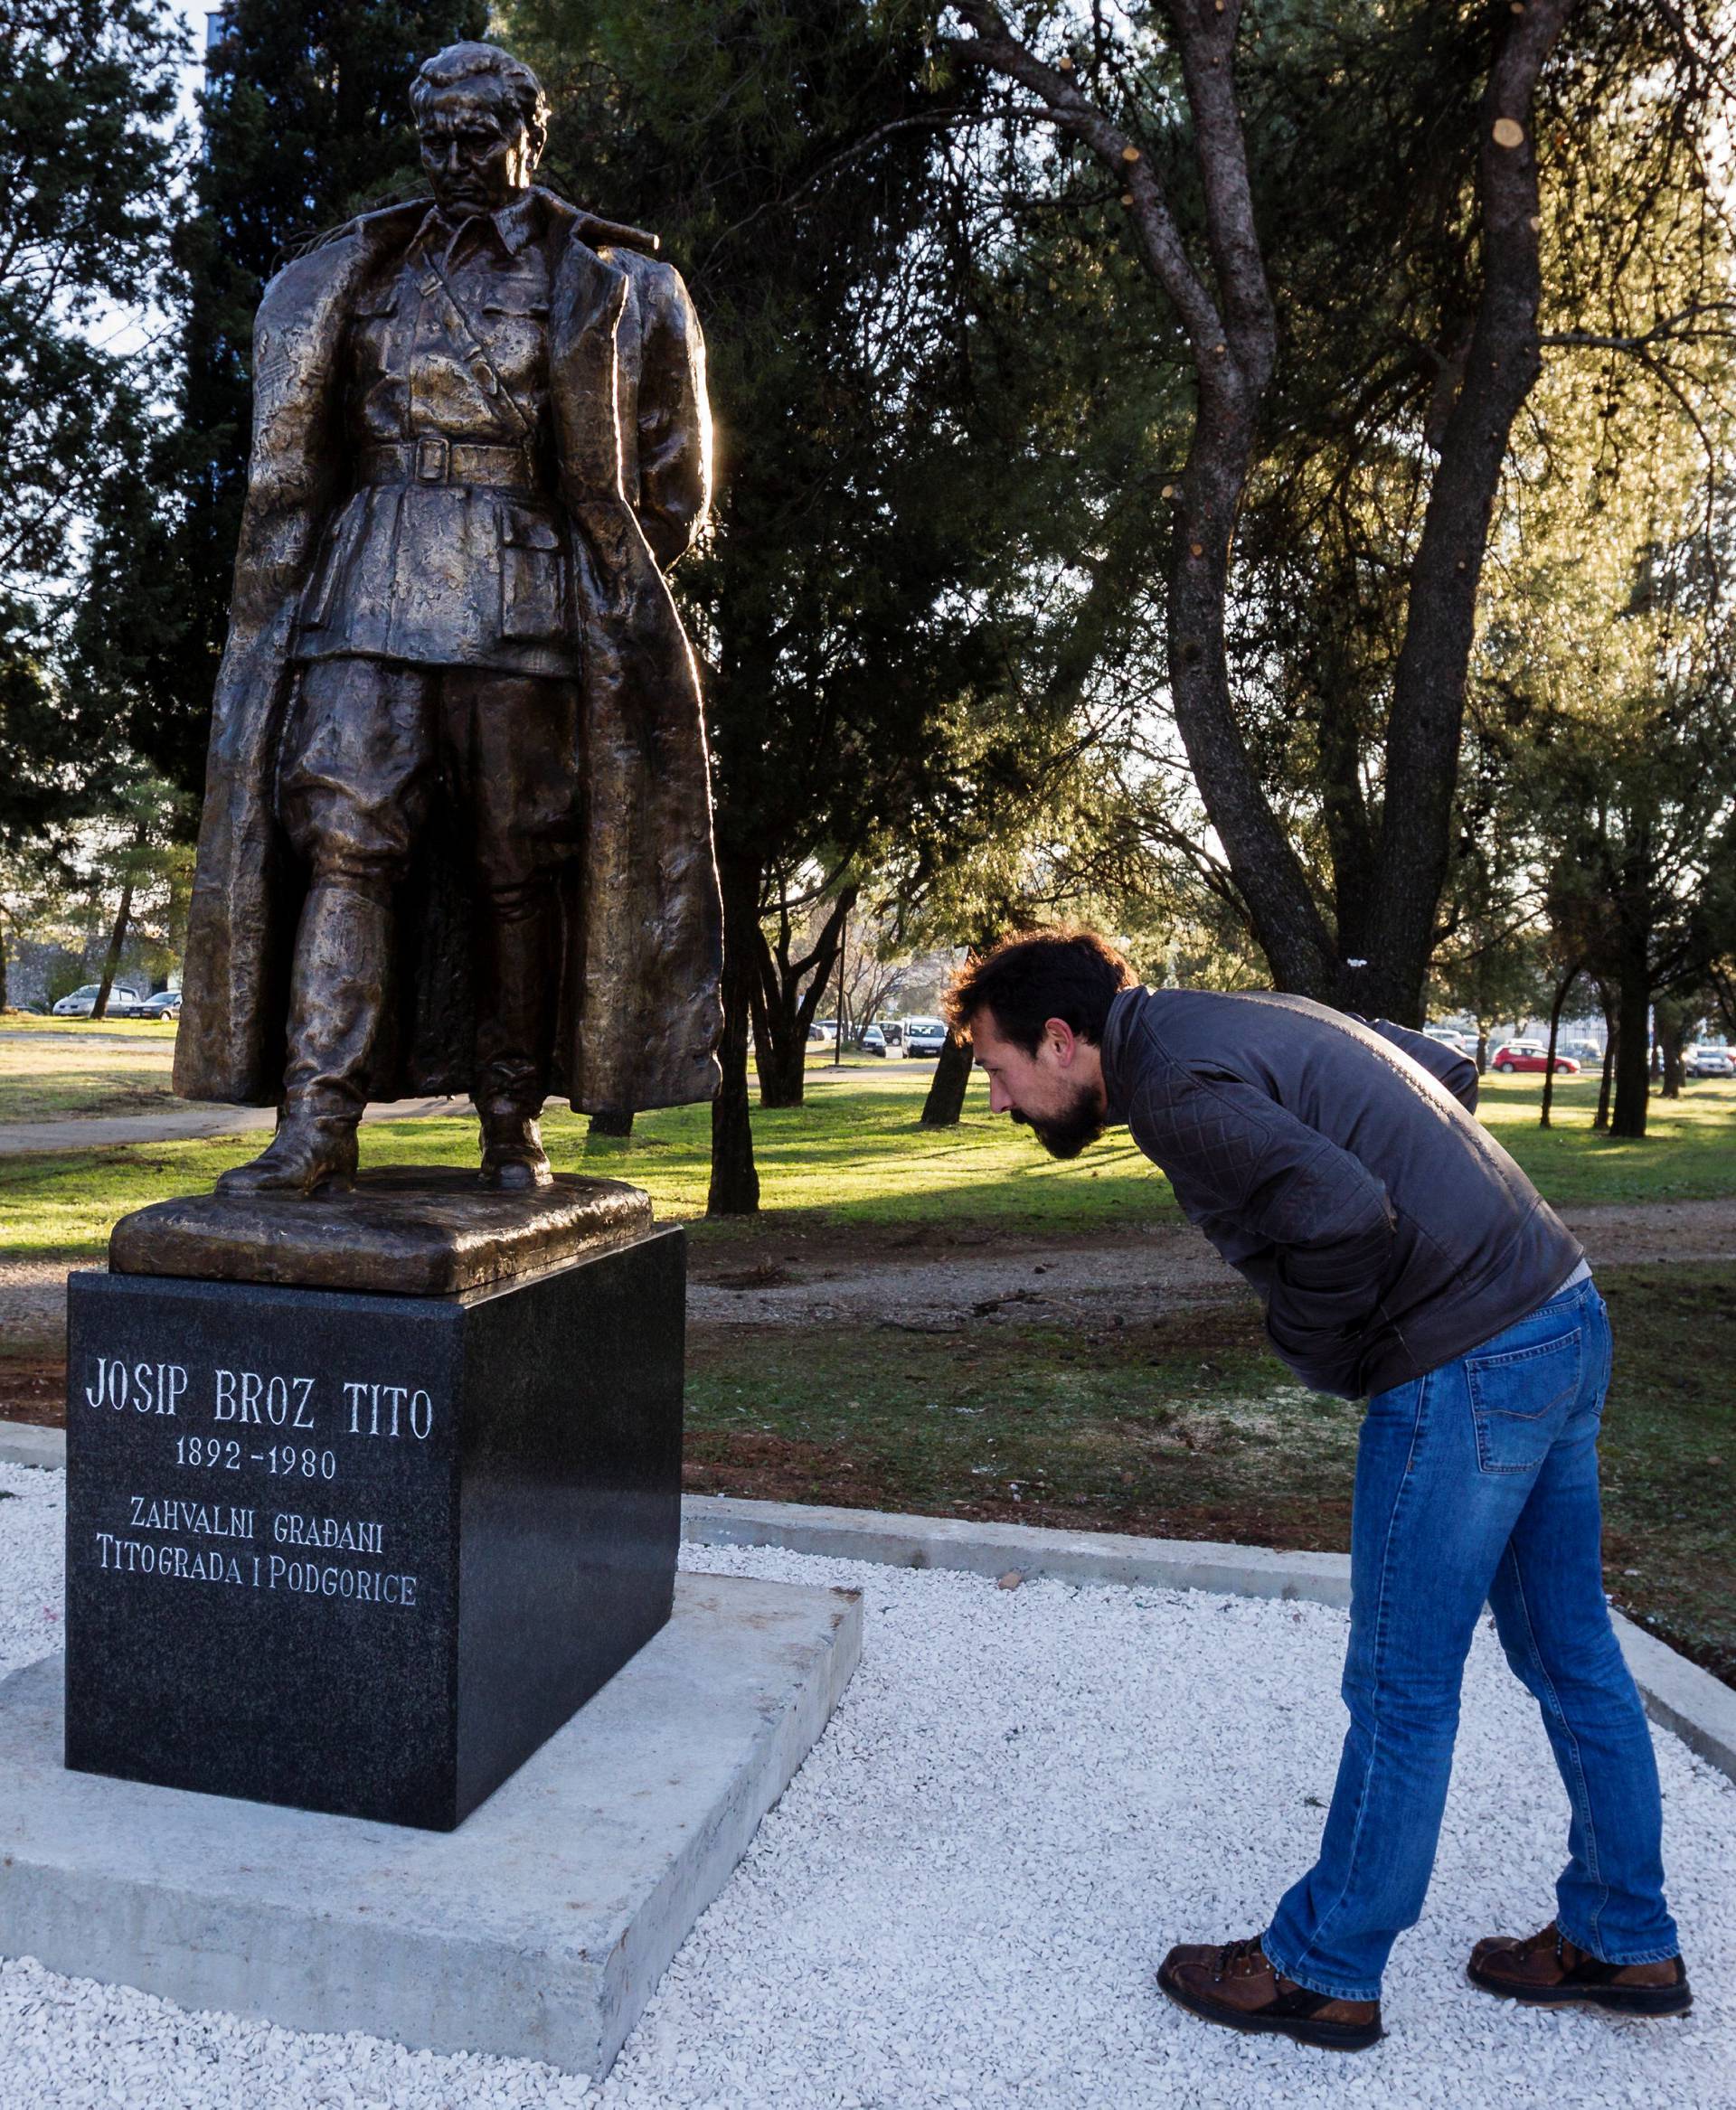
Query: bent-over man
[{"x": 1401, "y": 1255}]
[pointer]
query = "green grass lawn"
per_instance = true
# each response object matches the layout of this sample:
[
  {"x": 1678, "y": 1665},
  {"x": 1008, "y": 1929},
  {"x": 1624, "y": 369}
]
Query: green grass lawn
[
  {"x": 855, "y": 1156},
  {"x": 1688, "y": 1154},
  {"x": 1190, "y": 1428},
  {"x": 1184, "y": 1428}
]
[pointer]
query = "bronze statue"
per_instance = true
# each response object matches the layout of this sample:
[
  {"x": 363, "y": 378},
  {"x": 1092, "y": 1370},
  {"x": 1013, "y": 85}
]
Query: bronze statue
[{"x": 456, "y": 832}]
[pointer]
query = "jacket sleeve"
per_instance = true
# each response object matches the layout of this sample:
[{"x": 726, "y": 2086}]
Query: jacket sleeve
[
  {"x": 673, "y": 421},
  {"x": 1457, "y": 1072},
  {"x": 1232, "y": 1151}
]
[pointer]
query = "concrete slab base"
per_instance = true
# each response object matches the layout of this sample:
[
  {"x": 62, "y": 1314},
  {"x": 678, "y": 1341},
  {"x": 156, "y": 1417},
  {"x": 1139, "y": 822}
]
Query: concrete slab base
[{"x": 538, "y": 1930}]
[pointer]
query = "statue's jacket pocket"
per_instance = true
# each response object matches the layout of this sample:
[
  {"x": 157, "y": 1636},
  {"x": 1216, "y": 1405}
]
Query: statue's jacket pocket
[
  {"x": 1519, "y": 1400},
  {"x": 337, "y": 549},
  {"x": 532, "y": 573}
]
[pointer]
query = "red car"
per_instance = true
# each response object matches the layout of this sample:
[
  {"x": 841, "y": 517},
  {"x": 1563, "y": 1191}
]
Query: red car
[{"x": 1530, "y": 1055}]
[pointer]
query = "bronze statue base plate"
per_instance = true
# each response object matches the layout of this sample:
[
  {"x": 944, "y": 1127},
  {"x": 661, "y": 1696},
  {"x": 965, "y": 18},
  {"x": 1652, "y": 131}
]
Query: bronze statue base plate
[{"x": 406, "y": 1231}]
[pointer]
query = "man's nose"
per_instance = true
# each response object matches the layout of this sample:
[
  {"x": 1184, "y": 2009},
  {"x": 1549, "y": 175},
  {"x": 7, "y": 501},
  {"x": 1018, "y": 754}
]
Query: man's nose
[{"x": 1000, "y": 1100}]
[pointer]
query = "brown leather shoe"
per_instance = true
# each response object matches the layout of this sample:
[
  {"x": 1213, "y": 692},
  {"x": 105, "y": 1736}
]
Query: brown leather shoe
[
  {"x": 1547, "y": 1971},
  {"x": 1235, "y": 1985}
]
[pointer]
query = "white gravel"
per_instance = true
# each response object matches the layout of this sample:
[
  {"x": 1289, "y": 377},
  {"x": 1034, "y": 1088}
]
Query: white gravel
[{"x": 1025, "y": 1796}]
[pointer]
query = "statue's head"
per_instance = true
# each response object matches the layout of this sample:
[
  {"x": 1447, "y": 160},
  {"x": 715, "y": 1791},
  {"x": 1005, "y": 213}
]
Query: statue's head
[{"x": 484, "y": 120}]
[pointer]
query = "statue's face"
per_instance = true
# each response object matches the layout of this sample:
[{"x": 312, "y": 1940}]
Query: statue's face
[{"x": 477, "y": 151}]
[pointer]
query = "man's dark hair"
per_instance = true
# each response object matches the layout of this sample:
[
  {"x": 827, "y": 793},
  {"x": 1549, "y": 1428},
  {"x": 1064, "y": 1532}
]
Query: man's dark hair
[{"x": 1035, "y": 975}]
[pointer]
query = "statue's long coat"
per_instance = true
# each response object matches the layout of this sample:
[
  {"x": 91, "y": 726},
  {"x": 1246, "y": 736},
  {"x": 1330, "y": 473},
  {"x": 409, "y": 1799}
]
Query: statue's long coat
[{"x": 639, "y": 1012}]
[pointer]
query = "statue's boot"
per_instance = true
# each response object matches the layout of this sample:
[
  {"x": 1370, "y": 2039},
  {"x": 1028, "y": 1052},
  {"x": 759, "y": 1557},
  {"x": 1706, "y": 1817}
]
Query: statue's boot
[
  {"x": 516, "y": 980},
  {"x": 342, "y": 952},
  {"x": 512, "y": 1157}
]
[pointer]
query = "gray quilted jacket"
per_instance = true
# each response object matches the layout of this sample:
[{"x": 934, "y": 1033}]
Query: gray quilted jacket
[{"x": 1336, "y": 1164}]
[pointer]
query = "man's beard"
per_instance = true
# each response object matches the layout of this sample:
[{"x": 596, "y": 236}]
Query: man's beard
[{"x": 1064, "y": 1136}]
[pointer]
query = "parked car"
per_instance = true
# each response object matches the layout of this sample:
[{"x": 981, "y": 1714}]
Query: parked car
[
  {"x": 1530, "y": 1055},
  {"x": 1450, "y": 1036},
  {"x": 1708, "y": 1062},
  {"x": 123, "y": 1001},
  {"x": 924, "y": 1036},
  {"x": 873, "y": 1040},
  {"x": 824, "y": 1030},
  {"x": 166, "y": 1004},
  {"x": 1586, "y": 1053}
]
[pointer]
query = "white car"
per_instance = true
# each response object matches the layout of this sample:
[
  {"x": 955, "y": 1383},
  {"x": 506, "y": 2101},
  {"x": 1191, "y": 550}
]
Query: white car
[
  {"x": 84, "y": 1002},
  {"x": 1708, "y": 1062},
  {"x": 924, "y": 1036}
]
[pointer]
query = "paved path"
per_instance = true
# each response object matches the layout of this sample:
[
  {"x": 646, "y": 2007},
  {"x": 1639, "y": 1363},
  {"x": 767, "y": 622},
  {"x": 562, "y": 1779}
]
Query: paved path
[
  {"x": 24, "y": 1138},
  {"x": 100, "y": 1043}
]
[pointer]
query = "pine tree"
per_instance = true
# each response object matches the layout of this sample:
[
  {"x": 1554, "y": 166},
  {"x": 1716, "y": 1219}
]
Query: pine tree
[
  {"x": 305, "y": 119},
  {"x": 88, "y": 158}
]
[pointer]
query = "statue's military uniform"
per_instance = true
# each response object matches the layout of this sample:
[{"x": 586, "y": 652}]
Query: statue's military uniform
[
  {"x": 453, "y": 550},
  {"x": 476, "y": 443},
  {"x": 435, "y": 639}
]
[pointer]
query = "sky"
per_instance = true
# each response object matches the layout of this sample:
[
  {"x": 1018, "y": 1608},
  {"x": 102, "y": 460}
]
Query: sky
[{"x": 194, "y": 18}]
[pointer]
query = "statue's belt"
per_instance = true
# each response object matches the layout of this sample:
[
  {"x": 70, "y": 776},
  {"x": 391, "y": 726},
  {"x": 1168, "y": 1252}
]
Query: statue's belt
[{"x": 437, "y": 460}]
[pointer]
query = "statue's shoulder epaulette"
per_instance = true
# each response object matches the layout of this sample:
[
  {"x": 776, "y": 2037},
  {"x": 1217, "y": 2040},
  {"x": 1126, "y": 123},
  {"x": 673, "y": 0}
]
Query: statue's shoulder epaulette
[
  {"x": 612, "y": 234},
  {"x": 594, "y": 231},
  {"x": 401, "y": 215}
]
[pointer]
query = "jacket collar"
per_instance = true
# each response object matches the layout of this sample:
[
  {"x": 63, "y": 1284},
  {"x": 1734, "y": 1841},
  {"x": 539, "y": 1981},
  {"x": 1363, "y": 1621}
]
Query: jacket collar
[
  {"x": 1117, "y": 1030},
  {"x": 513, "y": 226}
]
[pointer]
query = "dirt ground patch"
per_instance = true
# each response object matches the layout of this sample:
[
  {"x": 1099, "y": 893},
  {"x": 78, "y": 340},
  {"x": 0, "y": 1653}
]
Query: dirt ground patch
[
  {"x": 776, "y": 1469},
  {"x": 33, "y": 1388},
  {"x": 944, "y": 1279},
  {"x": 935, "y": 1280}
]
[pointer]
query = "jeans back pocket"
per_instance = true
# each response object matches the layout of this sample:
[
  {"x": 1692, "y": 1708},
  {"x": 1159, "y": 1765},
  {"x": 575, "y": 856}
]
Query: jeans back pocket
[{"x": 1518, "y": 1400}]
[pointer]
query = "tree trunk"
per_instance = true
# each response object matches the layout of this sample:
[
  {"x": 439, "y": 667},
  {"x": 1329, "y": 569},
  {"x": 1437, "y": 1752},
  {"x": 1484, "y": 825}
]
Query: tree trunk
[
  {"x": 1601, "y": 1119},
  {"x": 837, "y": 1039},
  {"x": 1633, "y": 1063},
  {"x": 947, "y": 1086},
  {"x": 1287, "y": 923},
  {"x": 735, "y": 1178},
  {"x": 5, "y": 1001},
  {"x": 779, "y": 1065},
  {"x": 1501, "y": 368},
  {"x": 1232, "y": 345},
  {"x": 1671, "y": 1033},
  {"x": 117, "y": 939},
  {"x": 1567, "y": 981},
  {"x": 780, "y": 1059},
  {"x": 783, "y": 1010},
  {"x": 611, "y": 1124}
]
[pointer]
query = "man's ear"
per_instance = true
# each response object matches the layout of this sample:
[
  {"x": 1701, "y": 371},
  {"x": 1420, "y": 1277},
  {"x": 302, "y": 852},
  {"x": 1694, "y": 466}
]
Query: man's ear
[{"x": 1061, "y": 1038}]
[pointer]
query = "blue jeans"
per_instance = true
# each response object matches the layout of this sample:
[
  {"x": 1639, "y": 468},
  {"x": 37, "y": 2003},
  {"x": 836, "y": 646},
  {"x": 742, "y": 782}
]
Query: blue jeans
[{"x": 1480, "y": 1481}]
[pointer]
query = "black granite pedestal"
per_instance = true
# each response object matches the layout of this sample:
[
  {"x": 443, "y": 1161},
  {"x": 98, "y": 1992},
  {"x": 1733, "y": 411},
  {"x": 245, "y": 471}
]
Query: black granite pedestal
[{"x": 363, "y": 1553}]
